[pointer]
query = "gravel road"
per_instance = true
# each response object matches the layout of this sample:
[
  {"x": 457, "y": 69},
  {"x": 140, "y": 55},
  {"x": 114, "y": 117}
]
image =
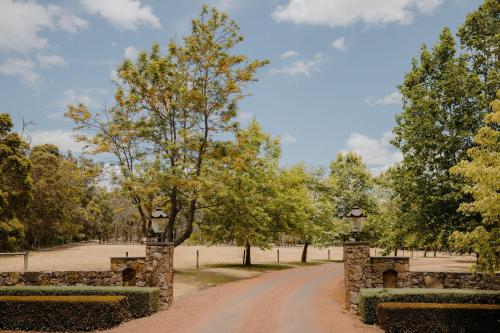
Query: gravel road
[{"x": 306, "y": 299}]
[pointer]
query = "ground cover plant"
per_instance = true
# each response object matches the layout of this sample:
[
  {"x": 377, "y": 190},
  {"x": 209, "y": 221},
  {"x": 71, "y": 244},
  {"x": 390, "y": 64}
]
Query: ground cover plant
[{"x": 371, "y": 298}]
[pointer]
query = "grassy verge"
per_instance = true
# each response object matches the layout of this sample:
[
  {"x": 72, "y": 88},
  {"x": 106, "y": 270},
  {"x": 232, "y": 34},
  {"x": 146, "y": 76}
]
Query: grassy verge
[{"x": 193, "y": 280}]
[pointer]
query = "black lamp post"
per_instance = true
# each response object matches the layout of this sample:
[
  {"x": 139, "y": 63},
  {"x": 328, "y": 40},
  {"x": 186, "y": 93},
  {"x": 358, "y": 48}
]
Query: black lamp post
[
  {"x": 158, "y": 221},
  {"x": 357, "y": 221}
]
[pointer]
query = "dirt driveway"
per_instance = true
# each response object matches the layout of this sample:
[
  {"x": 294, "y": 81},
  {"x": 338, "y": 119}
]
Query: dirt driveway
[{"x": 306, "y": 299}]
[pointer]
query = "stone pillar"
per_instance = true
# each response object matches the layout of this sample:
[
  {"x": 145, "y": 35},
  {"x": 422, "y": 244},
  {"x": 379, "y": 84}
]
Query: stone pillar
[
  {"x": 159, "y": 270},
  {"x": 357, "y": 272}
]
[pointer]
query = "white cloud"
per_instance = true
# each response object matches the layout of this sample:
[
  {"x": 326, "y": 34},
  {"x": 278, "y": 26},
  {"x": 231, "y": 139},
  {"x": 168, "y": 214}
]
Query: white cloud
[
  {"x": 50, "y": 60},
  {"x": 63, "y": 139},
  {"x": 123, "y": 14},
  {"x": 288, "y": 139},
  {"x": 339, "y": 44},
  {"x": 303, "y": 67},
  {"x": 391, "y": 99},
  {"x": 341, "y": 13},
  {"x": 70, "y": 96},
  {"x": 131, "y": 53},
  {"x": 24, "y": 68},
  {"x": 72, "y": 23},
  {"x": 22, "y": 21},
  {"x": 378, "y": 154},
  {"x": 289, "y": 54},
  {"x": 244, "y": 117}
]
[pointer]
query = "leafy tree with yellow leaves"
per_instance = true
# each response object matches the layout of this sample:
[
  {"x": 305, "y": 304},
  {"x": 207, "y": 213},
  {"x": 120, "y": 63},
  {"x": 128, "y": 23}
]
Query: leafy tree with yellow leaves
[
  {"x": 483, "y": 173},
  {"x": 171, "y": 111}
]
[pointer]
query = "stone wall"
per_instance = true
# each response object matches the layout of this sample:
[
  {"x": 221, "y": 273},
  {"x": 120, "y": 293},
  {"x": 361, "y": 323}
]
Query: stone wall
[
  {"x": 159, "y": 269},
  {"x": 363, "y": 271},
  {"x": 63, "y": 278},
  {"x": 154, "y": 270},
  {"x": 453, "y": 280},
  {"x": 357, "y": 272},
  {"x": 381, "y": 265}
]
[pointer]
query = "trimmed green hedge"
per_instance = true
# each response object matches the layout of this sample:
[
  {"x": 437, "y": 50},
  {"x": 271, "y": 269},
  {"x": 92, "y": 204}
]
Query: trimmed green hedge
[
  {"x": 370, "y": 298},
  {"x": 62, "y": 313},
  {"x": 438, "y": 317},
  {"x": 141, "y": 301}
]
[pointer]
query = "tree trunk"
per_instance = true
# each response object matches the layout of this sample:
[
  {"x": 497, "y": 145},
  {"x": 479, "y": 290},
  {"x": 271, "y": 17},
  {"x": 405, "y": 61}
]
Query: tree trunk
[
  {"x": 248, "y": 260},
  {"x": 304, "y": 253},
  {"x": 435, "y": 253},
  {"x": 396, "y": 252}
]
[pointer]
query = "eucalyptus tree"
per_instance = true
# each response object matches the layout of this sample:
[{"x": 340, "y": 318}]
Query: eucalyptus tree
[
  {"x": 15, "y": 185},
  {"x": 171, "y": 111}
]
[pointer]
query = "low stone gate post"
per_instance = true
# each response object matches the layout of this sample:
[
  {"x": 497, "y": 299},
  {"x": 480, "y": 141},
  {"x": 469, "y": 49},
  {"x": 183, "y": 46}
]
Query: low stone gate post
[
  {"x": 357, "y": 272},
  {"x": 159, "y": 270}
]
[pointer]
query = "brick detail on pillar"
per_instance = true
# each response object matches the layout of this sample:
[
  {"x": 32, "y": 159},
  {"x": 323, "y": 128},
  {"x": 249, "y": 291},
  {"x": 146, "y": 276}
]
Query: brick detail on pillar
[
  {"x": 159, "y": 270},
  {"x": 357, "y": 272}
]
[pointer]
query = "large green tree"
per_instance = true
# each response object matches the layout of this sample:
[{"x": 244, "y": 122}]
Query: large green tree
[
  {"x": 350, "y": 184},
  {"x": 53, "y": 216},
  {"x": 482, "y": 171},
  {"x": 246, "y": 180},
  {"x": 172, "y": 108},
  {"x": 439, "y": 118},
  {"x": 15, "y": 185}
]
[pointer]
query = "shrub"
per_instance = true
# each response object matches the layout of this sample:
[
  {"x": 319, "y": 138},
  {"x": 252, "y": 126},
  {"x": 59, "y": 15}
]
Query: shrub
[
  {"x": 438, "y": 317},
  {"x": 141, "y": 301},
  {"x": 61, "y": 313},
  {"x": 370, "y": 298}
]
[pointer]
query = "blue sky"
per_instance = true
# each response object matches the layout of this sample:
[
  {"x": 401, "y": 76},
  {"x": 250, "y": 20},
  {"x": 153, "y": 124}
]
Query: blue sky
[{"x": 331, "y": 84}]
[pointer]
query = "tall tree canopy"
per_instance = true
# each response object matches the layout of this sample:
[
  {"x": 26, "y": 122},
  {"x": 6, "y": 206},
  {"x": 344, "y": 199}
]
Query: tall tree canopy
[
  {"x": 58, "y": 190},
  {"x": 246, "y": 178},
  {"x": 174, "y": 107},
  {"x": 350, "y": 183},
  {"x": 483, "y": 174},
  {"x": 15, "y": 185}
]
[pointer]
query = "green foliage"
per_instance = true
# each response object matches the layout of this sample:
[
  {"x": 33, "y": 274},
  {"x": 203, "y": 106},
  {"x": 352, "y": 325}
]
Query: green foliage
[
  {"x": 371, "y": 298},
  {"x": 12, "y": 234},
  {"x": 246, "y": 177},
  {"x": 350, "y": 183},
  {"x": 480, "y": 37},
  {"x": 141, "y": 301},
  {"x": 175, "y": 108},
  {"x": 432, "y": 317},
  {"x": 61, "y": 313},
  {"x": 483, "y": 173},
  {"x": 445, "y": 96},
  {"x": 58, "y": 189},
  {"x": 440, "y": 115},
  {"x": 15, "y": 185}
]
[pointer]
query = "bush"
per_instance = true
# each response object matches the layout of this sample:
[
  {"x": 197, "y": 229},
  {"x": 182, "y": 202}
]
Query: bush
[
  {"x": 370, "y": 298},
  {"x": 438, "y": 317},
  {"x": 141, "y": 301},
  {"x": 61, "y": 313}
]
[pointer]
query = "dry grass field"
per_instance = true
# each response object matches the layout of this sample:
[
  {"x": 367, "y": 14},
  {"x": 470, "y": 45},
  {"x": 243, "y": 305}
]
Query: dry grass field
[{"x": 90, "y": 256}]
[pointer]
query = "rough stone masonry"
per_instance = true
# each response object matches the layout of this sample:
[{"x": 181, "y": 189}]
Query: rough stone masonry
[
  {"x": 156, "y": 269},
  {"x": 362, "y": 271}
]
